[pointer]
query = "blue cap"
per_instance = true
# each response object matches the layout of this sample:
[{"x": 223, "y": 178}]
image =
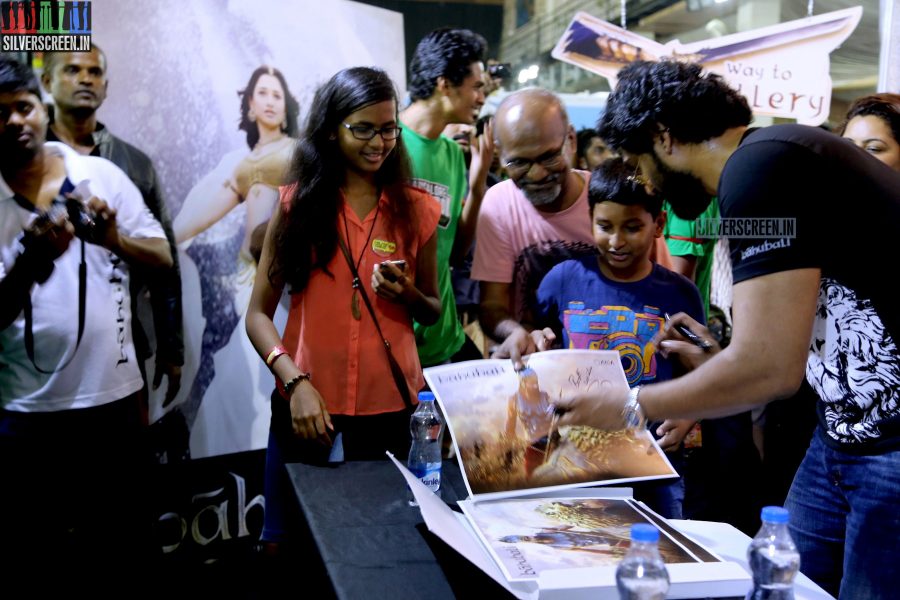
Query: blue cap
[
  {"x": 774, "y": 514},
  {"x": 641, "y": 532},
  {"x": 426, "y": 397}
]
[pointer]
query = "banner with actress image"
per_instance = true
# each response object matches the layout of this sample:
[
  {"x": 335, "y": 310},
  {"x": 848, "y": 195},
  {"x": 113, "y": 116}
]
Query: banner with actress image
[
  {"x": 505, "y": 429},
  {"x": 215, "y": 92}
]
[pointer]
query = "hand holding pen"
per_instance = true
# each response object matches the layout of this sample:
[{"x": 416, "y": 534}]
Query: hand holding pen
[
  {"x": 688, "y": 339},
  {"x": 692, "y": 337}
]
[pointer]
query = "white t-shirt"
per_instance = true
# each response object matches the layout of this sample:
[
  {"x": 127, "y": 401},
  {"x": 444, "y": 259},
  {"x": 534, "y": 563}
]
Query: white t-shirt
[
  {"x": 104, "y": 367},
  {"x": 518, "y": 244}
]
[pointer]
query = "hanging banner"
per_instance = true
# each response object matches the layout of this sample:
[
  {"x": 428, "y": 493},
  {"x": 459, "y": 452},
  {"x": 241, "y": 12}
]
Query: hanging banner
[{"x": 782, "y": 70}]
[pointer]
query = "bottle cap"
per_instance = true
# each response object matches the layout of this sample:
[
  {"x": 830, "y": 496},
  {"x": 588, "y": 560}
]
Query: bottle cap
[
  {"x": 426, "y": 397},
  {"x": 774, "y": 514},
  {"x": 642, "y": 532}
]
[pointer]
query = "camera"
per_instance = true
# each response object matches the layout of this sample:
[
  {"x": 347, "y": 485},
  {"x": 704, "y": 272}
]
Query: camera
[
  {"x": 84, "y": 222},
  {"x": 500, "y": 71},
  {"x": 480, "y": 123}
]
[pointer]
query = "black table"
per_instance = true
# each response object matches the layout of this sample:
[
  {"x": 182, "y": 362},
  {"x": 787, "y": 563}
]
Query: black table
[{"x": 372, "y": 543}]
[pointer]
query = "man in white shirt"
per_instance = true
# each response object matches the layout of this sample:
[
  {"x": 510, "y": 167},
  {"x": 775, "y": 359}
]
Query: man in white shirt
[{"x": 70, "y": 421}]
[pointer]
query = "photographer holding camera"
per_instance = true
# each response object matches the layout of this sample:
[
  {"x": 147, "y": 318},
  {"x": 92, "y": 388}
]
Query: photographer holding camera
[
  {"x": 495, "y": 75},
  {"x": 70, "y": 424}
]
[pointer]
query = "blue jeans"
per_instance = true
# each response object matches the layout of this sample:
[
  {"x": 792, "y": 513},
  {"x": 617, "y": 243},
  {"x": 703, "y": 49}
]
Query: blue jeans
[{"x": 845, "y": 520}]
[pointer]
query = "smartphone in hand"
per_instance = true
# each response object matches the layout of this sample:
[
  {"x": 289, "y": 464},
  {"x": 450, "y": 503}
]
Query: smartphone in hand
[{"x": 386, "y": 273}]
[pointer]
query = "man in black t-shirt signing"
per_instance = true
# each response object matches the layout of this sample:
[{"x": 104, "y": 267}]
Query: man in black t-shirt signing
[{"x": 812, "y": 223}]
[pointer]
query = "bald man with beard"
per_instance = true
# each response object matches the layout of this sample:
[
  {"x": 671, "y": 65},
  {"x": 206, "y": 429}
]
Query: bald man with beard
[{"x": 529, "y": 223}]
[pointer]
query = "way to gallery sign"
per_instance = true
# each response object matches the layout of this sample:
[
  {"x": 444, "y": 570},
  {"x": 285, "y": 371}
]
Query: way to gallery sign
[{"x": 782, "y": 70}]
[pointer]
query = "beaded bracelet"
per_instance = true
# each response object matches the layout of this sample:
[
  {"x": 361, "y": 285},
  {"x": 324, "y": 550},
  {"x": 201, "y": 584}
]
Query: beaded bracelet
[
  {"x": 274, "y": 353},
  {"x": 290, "y": 384}
]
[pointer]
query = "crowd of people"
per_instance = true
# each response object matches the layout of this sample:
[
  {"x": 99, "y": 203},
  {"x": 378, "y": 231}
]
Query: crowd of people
[{"x": 375, "y": 205}]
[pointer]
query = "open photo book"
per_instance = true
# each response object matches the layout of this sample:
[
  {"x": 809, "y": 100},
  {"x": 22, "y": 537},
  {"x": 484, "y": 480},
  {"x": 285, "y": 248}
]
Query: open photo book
[
  {"x": 526, "y": 523},
  {"x": 567, "y": 546},
  {"x": 505, "y": 430},
  {"x": 527, "y": 536}
]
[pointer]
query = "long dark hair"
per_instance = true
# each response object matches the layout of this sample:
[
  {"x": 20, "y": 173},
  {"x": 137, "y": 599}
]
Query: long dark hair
[
  {"x": 291, "y": 106},
  {"x": 307, "y": 236}
]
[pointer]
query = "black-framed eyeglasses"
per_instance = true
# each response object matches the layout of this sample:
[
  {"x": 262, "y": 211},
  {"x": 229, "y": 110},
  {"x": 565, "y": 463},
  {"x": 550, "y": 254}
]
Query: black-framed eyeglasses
[
  {"x": 367, "y": 132},
  {"x": 516, "y": 167}
]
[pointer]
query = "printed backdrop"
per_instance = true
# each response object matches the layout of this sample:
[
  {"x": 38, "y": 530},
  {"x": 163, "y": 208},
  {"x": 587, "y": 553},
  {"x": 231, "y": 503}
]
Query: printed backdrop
[{"x": 175, "y": 69}]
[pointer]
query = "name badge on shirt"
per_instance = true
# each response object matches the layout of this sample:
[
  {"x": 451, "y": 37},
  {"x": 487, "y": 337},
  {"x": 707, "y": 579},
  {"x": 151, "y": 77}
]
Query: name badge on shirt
[{"x": 383, "y": 247}]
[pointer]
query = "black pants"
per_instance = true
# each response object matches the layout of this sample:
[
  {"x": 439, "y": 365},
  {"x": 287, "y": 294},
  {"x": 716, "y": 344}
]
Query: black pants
[{"x": 75, "y": 495}]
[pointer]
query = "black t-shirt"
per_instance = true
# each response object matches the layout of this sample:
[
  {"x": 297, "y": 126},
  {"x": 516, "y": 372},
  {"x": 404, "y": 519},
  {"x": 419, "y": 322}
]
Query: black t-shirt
[{"x": 845, "y": 207}]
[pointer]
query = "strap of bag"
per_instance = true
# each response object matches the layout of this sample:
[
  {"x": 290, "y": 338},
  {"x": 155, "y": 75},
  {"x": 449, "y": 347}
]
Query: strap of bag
[
  {"x": 29, "y": 322},
  {"x": 396, "y": 371}
]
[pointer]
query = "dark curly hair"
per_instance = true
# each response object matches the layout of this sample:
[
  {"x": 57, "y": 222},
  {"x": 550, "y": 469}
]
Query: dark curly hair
[
  {"x": 612, "y": 182},
  {"x": 446, "y": 53},
  {"x": 307, "y": 236},
  {"x": 291, "y": 106},
  {"x": 694, "y": 106},
  {"x": 884, "y": 106}
]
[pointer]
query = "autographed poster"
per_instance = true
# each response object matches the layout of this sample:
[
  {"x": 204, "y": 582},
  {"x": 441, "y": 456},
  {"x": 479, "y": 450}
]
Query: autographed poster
[{"x": 505, "y": 431}]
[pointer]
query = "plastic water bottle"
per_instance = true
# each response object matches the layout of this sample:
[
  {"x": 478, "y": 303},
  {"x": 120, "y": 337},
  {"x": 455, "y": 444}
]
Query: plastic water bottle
[
  {"x": 773, "y": 558},
  {"x": 427, "y": 429},
  {"x": 642, "y": 574}
]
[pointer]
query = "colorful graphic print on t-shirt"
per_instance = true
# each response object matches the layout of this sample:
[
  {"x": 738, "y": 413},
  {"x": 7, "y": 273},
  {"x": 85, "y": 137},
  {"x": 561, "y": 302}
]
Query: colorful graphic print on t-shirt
[{"x": 616, "y": 328}]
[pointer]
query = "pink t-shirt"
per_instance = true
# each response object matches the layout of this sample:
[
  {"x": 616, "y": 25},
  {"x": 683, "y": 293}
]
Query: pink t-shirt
[{"x": 518, "y": 244}]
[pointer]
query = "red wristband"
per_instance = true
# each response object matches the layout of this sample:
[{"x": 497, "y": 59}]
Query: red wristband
[{"x": 274, "y": 353}]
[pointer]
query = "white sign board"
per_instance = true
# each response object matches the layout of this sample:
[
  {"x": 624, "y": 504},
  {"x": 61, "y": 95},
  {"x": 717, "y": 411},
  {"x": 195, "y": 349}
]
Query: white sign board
[{"x": 782, "y": 70}]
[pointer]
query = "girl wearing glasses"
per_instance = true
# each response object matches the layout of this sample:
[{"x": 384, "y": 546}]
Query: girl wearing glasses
[
  {"x": 225, "y": 421},
  {"x": 350, "y": 211}
]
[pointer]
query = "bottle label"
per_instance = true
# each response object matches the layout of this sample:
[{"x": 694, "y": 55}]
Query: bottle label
[{"x": 429, "y": 475}]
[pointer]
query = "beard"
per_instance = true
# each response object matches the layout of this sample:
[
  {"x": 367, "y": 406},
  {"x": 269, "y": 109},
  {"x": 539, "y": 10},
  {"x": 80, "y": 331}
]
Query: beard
[
  {"x": 549, "y": 191},
  {"x": 685, "y": 193}
]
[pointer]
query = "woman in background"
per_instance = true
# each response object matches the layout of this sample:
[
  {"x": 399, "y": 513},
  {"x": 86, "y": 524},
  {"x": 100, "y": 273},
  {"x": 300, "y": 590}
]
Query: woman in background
[
  {"x": 228, "y": 409},
  {"x": 873, "y": 124},
  {"x": 351, "y": 204},
  {"x": 269, "y": 118}
]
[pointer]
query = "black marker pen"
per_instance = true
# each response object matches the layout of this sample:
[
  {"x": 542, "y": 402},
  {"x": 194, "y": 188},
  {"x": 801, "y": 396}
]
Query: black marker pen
[{"x": 691, "y": 336}]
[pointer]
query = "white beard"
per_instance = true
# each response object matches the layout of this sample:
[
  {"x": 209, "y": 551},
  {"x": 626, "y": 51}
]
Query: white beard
[{"x": 544, "y": 197}]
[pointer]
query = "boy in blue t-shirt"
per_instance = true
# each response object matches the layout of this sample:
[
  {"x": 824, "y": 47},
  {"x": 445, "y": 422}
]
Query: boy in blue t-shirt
[{"x": 618, "y": 298}]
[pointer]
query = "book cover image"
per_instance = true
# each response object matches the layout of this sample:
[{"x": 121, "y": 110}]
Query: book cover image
[
  {"x": 505, "y": 431},
  {"x": 527, "y": 536}
]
